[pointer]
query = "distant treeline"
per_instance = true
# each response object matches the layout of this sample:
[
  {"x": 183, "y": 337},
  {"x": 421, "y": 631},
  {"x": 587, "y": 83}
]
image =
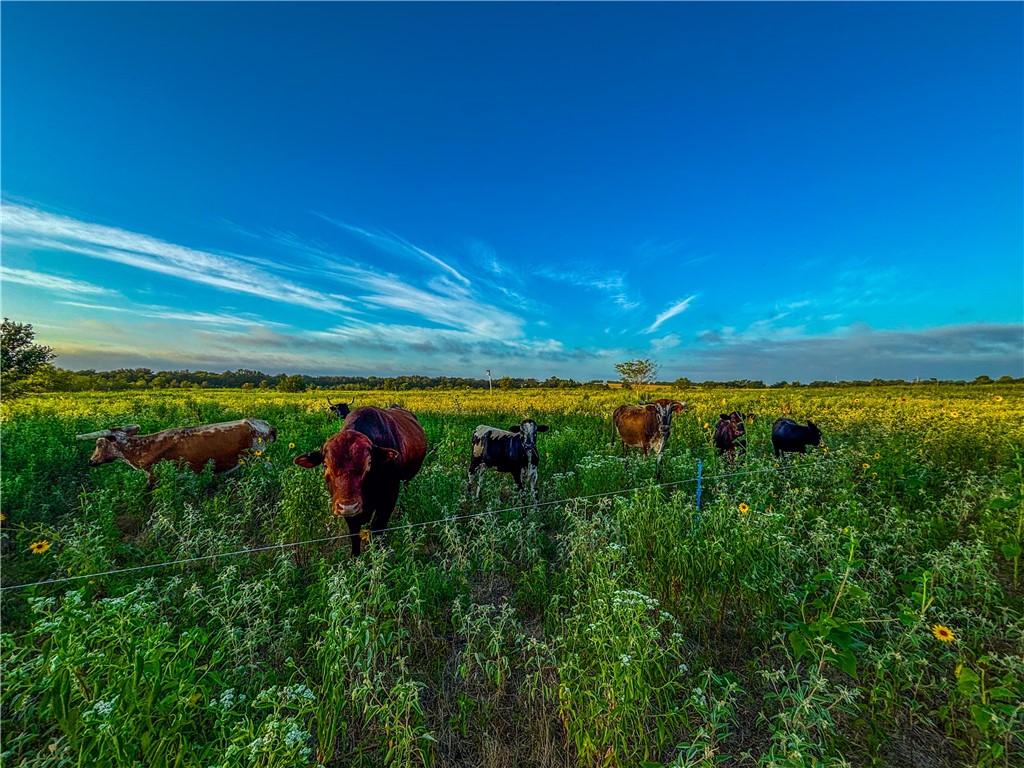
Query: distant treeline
[{"x": 53, "y": 379}]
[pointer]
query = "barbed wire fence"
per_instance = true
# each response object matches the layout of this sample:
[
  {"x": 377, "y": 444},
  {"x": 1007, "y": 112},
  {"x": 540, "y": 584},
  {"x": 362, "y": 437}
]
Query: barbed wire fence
[{"x": 699, "y": 479}]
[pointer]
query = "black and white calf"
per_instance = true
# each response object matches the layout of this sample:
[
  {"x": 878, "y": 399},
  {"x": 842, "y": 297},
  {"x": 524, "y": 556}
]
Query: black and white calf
[{"x": 512, "y": 450}]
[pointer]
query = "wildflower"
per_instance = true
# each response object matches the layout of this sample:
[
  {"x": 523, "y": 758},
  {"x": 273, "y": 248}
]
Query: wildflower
[
  {"x": 259, "y": 453},
  {"x": 865, "y": 465},
  {"x": 959, "y": 670},
  {"x": 944, "y": 634},
  {"x": 953, "y": 414},
  {"x": 878, "y": 456},
  {"x": 744, "y": 508},
  {"x": 706, "y": 425},
  {"x": 625, "y": 659},
  {"x": 3, "y": 517},
  {"x": 364, "y": 535},
  {"x": 998, "y": 399},
  {"x": 291, "y": 445},
  {"x": 242, "y": 462},
  {"x": 38, "y": 547}
]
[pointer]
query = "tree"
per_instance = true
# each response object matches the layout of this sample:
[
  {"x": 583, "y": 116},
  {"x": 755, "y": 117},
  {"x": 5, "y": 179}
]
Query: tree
[
  {"x": 19, "y": 357},
  {"x": 637, "y": 373}
]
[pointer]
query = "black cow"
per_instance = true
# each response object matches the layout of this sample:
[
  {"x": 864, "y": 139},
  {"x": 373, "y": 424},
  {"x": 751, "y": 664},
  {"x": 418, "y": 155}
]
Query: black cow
[
  {"x": 341, "y": 410},
  {"x": 731, "y": 433},
  {"x": 513, "y": 450},
  {"x": 788, "y": 436}
]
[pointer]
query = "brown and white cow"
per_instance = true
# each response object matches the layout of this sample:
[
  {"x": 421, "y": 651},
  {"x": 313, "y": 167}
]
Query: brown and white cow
[
  {"x": 221, "y": 443},
  {"x": 646, "y": 426},
  {"x": 364, "y": 463}
]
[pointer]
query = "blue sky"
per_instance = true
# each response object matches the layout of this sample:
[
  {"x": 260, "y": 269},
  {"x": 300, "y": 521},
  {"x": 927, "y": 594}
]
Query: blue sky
[{"x": 768, "y": 191}]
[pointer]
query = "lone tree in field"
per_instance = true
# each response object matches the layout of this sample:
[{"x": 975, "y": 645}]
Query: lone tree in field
[
  {"x": 637, "y": 373},
  {"x": 19, "y": 357}
]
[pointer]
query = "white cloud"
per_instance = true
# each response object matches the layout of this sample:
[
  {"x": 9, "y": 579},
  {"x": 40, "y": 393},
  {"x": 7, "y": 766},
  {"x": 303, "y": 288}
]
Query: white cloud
[
  {"x": 51, "y": 282},
  {"x": 36, "y": 228},
  {"x": 396, "y": 244},
  {"x": 675, "y": 309}
]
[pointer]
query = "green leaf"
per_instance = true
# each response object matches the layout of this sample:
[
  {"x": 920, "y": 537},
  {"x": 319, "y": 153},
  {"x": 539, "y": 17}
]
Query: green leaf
[
  {"x": 1010, "y": 551},
  {"x": 968, "y": 682},
  {"x": 982, "y": 717},
  {"x": 908, "y": 619},
  {"x": 847, "y": 662},
  {"x": 799, "y": 643}
]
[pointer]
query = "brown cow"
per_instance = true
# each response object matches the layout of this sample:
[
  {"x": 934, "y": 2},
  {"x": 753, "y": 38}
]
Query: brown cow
[
  {"x": 646, "y": 426},
  {"x": 222, "y": 443},
  {"x": 731, "y": 433},
  {"x": 365, "y": 462}
]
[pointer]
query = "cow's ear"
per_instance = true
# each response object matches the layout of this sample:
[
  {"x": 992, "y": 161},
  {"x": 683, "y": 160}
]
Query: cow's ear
[
  {"x": 385, "y": 454},
  {"x": 679, "y": 407},
  {"x": 310, "y": 460},
  {"x": 651, "y": 407},
  {"x": 516, "y": 428},
  {"x": 542, "y": 427}
]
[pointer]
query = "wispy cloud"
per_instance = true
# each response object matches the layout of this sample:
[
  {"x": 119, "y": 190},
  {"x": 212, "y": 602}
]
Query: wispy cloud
[
  {"x": 675, "y": 309},
  {"x": 612, "y": 284},
  {"x": 32, "y": 227},
  {"x": 51, "y": 282},
  {"x": 166, "y": 313},
  {"x": 396, "y": 244}
]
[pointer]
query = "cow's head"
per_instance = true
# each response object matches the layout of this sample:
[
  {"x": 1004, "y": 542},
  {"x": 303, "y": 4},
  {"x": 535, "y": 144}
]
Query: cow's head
[
  {"x": 814, "y": 436},
  {"x": 730, "y": 426},
  {"x": 347, "y": 458},
  {"x": 664, "y": 410},
  {"x": 528, "y": 430},
  {"x": 341, "y": 410},
  {"x": 109, "y": 443}
]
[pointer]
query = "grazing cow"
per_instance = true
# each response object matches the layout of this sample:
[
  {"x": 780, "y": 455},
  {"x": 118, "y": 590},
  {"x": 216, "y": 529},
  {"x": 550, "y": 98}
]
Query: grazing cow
[
  {"x": 222, "y": 443},
  {"x": 788, "y": 436},
  {"x": 646, "y": 426},
  {"x": 731, "y": 433},
  {"x": 341, "y": 410},
  {"x": 365, "y": 462},
  {"x": 513, "y": 450}
]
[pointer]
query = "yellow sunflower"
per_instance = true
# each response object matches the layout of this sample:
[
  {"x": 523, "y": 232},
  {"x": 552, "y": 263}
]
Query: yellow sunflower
[
  {"x": 744, "y": 508},
  {"x": 38, "y": 547},
  {"x": 943, "y": 633},
  {"x": 364, "y": 535},
  {"x": 291, "y": 445},
  {"x": 998, "y": 398}
]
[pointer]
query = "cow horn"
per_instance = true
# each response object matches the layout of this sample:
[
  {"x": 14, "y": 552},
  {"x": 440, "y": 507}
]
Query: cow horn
[{"x": 94, "y": 435}]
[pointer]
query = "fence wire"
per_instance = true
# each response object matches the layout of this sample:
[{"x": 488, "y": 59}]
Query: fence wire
[{"x": 289, "y": 545}]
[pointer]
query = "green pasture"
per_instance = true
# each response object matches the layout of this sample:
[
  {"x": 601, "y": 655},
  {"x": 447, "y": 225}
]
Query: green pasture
[{"x": 857, "y": 606}]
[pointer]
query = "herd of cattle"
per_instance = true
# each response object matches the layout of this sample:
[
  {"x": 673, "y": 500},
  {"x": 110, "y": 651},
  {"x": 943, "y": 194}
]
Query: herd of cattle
[{"x": 377, "y": 448}]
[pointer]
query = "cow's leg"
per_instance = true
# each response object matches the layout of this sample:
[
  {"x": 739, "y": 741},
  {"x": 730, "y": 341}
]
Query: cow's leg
[
  {"x": 518, "y": 475},
  {"x": 476, "y": 466},
  {"x": 531, "y": 476},
  {"x": 386, "y": 501},
  {"x": 354, "y": 525}
]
